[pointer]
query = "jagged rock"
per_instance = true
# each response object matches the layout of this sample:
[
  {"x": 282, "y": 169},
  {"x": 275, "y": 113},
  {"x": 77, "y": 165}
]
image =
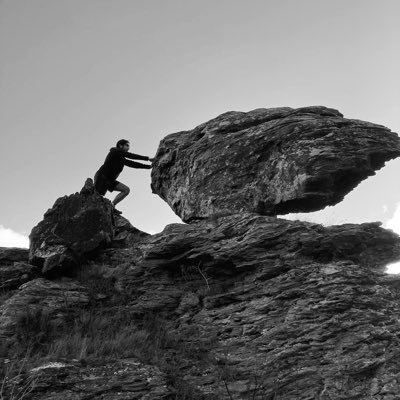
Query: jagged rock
[
  {"x": 268, "y": 161},
  {"x": 119, "y": 380},
  {"x": 9, "y": 255},
  {"x": 281, "y": 308},
  {"x": 75, "y": 227},
  {"x": 125, "y": 234},
  {"x": 41, "y": 295},
  {"x": 13, "y": 276}
]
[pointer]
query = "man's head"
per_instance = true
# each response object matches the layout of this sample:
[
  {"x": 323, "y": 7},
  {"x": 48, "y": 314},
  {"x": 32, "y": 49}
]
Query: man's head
[{"x": 123, "y": 144}]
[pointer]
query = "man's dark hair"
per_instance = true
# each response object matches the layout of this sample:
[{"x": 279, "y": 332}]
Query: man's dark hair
[{"x": 122, "y": 142}]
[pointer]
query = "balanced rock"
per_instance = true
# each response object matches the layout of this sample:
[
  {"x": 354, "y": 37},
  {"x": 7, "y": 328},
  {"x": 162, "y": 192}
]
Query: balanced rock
[
  {"x": 75, "y": 227},
  {"x": 268, "y": 161}
]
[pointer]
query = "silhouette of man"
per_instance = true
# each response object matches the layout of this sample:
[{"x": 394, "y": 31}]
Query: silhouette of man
[{"x": 106, "y": 177}]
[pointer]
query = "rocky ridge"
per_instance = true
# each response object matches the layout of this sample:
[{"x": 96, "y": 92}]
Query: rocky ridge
[{"x": 234, "y": 305}]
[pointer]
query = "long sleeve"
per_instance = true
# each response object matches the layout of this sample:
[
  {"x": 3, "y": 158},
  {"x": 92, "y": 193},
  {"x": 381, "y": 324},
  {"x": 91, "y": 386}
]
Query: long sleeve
[
  {"x": 134, "y": 156},
  {"x": 129, "y": 155},
  {"x": 134, "y": 164}
]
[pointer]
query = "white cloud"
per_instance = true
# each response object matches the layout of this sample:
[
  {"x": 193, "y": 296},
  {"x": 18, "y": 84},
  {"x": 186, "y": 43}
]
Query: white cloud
[
  {"x": 393, "y": 268},
  {"x": 394, "y": 224},
  {"x": 9, "y": 238}
]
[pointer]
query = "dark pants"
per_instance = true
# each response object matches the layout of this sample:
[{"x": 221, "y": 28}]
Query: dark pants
[{"x": 102, "y": 184}]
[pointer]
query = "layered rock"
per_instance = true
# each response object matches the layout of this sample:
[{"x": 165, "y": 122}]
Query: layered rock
[
  {"x": 10, "y": 255},
  {"x": 277, "y": 308},
  {"x": 14, "y": 268},
  {"x": 118, "y": 380},
  {"x": 268, "y": 161},
  {"x": 13, "y": 276},
  {"x": 54, "y": 299},
  {"x": 241, "y": 305},
  {"x": 75, "y": 227}
]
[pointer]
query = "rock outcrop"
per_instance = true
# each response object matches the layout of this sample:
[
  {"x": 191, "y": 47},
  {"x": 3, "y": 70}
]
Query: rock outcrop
[
  {"x": 283, "y": 308},
  {"x": 268, "y": 161},
  {"x": 41, "y": 296},
  {"x": 235, "y": 304},
  {"x": 75, "y": 227},
  {"x": 9, "y": 255},
  {"x": 125, "y": 379},
  {"x": 14, "y": 268}
]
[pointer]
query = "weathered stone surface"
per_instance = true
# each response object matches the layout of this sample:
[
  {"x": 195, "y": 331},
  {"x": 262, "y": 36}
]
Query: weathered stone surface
[
  {"x": 280, "y": 308},
  {"x": 76, "y": 226},
  {"x": 13, "y": 276},
  {"x": 268, "y": 161},
  {"x": 118, "y": 380},
  {"x": 9, "y": 255},
  {"x": 125, "y": 234},
  {"x": 51, "y": 297},
  {"x": 121, "y": 380}
]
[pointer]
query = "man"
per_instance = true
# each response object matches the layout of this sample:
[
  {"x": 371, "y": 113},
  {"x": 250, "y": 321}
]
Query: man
[{"x": 106, "y": 177}]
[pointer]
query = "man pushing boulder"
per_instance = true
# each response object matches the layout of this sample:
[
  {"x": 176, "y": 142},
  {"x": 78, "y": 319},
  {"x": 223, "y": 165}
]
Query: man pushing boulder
[{"x": 106, "y": 177}]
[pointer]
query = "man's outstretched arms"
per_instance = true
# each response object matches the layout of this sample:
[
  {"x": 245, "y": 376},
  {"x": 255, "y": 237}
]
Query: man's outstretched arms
[
  {"x": 134, "y": 164},
  {"x": 132, "y": 156}
]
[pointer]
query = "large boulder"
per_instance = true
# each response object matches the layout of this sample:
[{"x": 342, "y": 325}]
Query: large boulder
[
  {"x": 74, "y": 228},
  {"x": 268, "y": 161}
]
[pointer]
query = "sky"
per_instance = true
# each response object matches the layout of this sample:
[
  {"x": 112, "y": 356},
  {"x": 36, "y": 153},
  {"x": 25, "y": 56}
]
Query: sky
[{"x": 76, "y": 76}]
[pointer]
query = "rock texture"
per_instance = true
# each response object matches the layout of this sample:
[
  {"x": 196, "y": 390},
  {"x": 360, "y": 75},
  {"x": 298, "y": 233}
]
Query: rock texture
[
  {"x": 13, "y": 276},
  {"x": 14, "y": 268},
  {"x": 122, "y": 380},
  {"x": 281, "y": 308},
  {"x": 75, "y": 227},
  {"x": 126, "y": 235},
  {"x": 41, "y": 296},
  {"x": 268, "y": 161},
  {"x": 234, "y": 305},
  {"x": 9, "y": 255}
]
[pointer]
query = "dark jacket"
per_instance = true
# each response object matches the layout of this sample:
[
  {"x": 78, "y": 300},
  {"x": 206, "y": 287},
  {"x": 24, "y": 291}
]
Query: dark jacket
[{"x": 115, "y": 161}]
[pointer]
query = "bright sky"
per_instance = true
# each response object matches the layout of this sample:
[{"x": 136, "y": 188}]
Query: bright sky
[{"x": 76, "y": 76}]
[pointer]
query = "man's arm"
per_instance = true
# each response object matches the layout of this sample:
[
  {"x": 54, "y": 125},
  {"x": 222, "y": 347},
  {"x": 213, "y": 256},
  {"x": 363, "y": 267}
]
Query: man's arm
[
  {"x": 134, "y": 156},
  {"x": 130, "y": 155},
  {"x": 134, "y": 164}
]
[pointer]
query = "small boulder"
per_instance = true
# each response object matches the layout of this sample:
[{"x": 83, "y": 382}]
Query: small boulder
[{"x": 76, "y": 227}]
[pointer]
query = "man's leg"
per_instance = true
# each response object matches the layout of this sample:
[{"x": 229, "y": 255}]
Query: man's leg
[{"x": 124, "y": 191}]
